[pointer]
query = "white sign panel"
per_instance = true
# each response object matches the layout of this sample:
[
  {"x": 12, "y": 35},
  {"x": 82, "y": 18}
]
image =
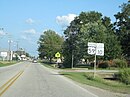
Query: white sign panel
[
  {"x": 98, "y": 47},
  {"x": 92, "y": 44},
  {"x": 91, "y": 48},
  {"x": 3, "y": 54}
]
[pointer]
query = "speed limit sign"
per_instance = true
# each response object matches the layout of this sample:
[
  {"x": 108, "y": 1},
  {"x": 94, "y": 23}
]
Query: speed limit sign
[{"x": 100, "y": 49}]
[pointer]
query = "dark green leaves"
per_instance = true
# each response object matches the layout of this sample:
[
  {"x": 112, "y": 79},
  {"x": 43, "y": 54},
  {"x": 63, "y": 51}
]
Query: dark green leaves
[{"x": 49, "y": 43}]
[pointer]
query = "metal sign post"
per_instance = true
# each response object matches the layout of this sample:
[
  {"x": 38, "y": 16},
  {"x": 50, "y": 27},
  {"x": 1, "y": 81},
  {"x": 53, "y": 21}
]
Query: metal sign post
[{"x": 95, "y": 62}]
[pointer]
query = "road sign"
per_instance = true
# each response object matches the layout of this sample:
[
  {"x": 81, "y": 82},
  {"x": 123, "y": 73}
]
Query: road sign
[
  {"x": 3, "y": 54},
  {"x": 100, "y": 49},
  {"x": 57, "y": 55},
  {"x": 91, "y": 48},
  {"x": 97, "y": 48}
]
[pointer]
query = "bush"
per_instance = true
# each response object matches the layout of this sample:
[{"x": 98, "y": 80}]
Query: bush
[
  {"x": 120, "y": 63},
  {"x": 89, "y": 76},
  {"x": 103, "y": 65},
  {"x": 124, "y": 75}
]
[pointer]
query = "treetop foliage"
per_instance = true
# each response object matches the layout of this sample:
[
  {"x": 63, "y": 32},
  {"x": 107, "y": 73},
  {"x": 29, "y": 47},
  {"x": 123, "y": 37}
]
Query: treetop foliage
[
  {"x": 90, "y": 27},
  {"x": 49, "y": 43}
]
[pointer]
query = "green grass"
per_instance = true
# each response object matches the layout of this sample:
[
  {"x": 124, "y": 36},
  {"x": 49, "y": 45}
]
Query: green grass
[
  {"x": 6, "y": 63},
  {"x": 52, "y": 66},
  {"x": 87, "y": 78},
  {"x": 49, "y": 66},
  {"x": 99, "y": 81}
]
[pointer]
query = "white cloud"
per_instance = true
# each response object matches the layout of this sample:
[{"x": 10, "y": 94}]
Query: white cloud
[
  {"x": 28, "y": 39},
  {"x": 45, "y": 30},
  {"x": 31, "y": 36},
  {"x": 30, "y": 31},
  {"x": 2, "y": 33},
  {"x": 65, "y": 20},
  {"x": 30, "y": 21},
  {"x": 24, "y": 37}
]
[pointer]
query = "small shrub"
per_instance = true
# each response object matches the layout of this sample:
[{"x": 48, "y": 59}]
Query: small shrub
[
  {"x": 124, "y": 75},
  {"x": 120, "y": 63},
  {"x": 103, "y": 65},
  {"x": 89, "y": 76}
]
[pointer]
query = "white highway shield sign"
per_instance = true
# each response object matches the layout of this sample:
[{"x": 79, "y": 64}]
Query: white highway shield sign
[{"x": 98, "y": 47}]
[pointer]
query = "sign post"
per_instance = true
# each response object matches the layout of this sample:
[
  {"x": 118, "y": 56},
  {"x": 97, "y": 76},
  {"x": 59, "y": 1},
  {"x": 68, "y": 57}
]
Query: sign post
[
  {"x": 95, "y": 62},
  {"x": 95, "y": 49}
]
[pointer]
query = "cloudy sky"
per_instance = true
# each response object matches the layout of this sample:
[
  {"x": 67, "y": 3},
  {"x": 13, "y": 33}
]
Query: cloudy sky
[{"x": 23, "y": 21}]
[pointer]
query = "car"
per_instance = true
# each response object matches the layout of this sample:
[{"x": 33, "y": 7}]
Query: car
[{"x": 34, "y": 61}]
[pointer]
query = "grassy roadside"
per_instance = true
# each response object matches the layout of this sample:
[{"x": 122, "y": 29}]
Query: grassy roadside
[
  {"x": 7, "y": 63},
  {"x": 86, "y": 78},
  {"x": 49, "y": 66}
]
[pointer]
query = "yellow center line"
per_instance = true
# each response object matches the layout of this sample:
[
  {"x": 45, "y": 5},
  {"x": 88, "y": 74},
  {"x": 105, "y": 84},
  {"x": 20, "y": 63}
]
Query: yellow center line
[{"x": 10, "y": 82}]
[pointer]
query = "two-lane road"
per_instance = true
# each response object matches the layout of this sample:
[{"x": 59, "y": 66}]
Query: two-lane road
[{"x": 28, "y": 79}]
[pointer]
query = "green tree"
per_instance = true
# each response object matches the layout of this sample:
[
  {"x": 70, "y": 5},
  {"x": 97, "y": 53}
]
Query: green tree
[
  {"x": 49, "y": 43},
  {"x": 27, "y": 54},
  {"x": 122, "y": 26},
  {"x": 112, "y": 45},
  {"x": 89, "y": 27}
]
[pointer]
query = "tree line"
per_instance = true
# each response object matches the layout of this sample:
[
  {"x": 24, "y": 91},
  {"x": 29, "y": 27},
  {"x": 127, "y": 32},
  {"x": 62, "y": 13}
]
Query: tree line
[{"x": 89, "y": 26}]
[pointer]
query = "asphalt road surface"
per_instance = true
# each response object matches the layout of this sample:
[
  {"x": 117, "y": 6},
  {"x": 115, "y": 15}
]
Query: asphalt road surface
[{"x": 28, "y": 79}]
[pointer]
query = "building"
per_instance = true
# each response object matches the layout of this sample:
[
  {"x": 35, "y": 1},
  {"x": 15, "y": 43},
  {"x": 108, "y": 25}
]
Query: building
[{"x": 6, "y": 54}]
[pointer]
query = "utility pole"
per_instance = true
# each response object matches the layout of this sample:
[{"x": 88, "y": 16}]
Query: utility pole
[
  {"x": 72, "y": 60},
  {"x": 72, "y": 35},
  {"x": 10, "y": 41}
]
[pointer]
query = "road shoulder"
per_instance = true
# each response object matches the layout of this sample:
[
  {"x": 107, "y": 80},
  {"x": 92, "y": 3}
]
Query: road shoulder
[{"x": 94, "y": 90}]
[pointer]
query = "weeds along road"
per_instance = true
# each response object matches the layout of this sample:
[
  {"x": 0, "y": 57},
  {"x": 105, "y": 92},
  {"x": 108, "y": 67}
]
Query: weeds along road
[{"x": 28, "y": 79}]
